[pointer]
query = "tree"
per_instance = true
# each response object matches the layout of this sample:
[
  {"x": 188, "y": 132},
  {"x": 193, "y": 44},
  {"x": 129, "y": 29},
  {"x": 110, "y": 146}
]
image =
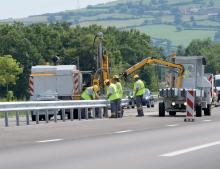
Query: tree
[
  {"x": 196, "y": 46},
  {"x": 9, "y": 71}
]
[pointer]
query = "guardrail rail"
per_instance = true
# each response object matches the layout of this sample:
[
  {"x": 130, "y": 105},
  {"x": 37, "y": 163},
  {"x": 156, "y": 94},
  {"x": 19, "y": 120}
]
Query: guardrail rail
[{"x": 55, "y": 106}]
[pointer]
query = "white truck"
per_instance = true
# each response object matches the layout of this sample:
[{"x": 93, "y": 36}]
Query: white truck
[
  {"x": 174, "y": 99},
  {"x": 50, "y": 83}
]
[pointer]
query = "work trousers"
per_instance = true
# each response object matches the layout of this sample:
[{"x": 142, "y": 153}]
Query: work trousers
[
  {"x": 138, "y": 100},
  {"x": 115, "y": 107}
]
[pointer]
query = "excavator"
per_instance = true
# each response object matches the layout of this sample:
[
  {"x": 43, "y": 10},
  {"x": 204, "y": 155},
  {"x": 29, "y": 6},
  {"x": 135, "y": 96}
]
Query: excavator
[
  {"x": 178, "y": 85},
  {"x": 174, "y": 97},
  {"x": 157, "y": 61}
]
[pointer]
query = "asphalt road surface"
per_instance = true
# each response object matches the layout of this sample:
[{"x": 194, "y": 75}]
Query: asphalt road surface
[{"x": 129, "y": 143}]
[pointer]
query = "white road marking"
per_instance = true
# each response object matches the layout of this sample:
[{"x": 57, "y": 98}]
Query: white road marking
[
  {"x": 125, "y": 131},
  {"x": 172, "y": 125},
  {"x": 47, "y": 141},
  {"x": 207, "y": 120},
  {"x": 187, "y": 150}
]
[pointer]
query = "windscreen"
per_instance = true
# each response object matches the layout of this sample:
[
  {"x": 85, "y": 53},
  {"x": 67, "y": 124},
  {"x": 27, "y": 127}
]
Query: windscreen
[{"x": 217, "y": 82}]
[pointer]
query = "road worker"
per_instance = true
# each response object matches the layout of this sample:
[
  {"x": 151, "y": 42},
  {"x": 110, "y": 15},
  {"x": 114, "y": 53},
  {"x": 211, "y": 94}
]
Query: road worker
[
  {"x": 117, "y": 82},
  {"x": 113, "y": 97},
  {"x": 139, "y": 90},
  {"x": 90, "y": 93}
]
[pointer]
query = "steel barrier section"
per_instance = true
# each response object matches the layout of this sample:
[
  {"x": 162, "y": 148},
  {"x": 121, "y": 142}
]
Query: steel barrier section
[{"x": 6, "y": 107}]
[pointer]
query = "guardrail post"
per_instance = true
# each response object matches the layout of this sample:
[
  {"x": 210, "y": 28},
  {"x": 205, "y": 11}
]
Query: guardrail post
[
  {"x": 79, "y": 114},
  {"x": 17, "y": 118},
  {"x": 37, "y": 117},
  {"x": 63, "y": 115},
  {"x": 6, "y": 119},
  {"x": 86, "y": 113},
  {"x": 105, "y": 112},
  {"x": 71, "y": 114},
  {"x": 100, "y": 113},
  {"x": 27, "y": 118},
  {"x": 55, "y": 116},
  {"x": 93, "y": 113},
  {"x": 46, "y": 116}
]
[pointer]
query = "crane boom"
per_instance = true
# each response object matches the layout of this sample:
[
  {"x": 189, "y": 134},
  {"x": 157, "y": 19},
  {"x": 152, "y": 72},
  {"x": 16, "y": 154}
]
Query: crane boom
[{"x": 158, "y": 61}]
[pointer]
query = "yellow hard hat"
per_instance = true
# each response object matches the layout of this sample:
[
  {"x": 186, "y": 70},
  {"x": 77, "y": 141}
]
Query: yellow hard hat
[
  {"x": 136, "y": 76},
  {"x": 96, "y": 88},
  {"x": 115, "y": 77},
  {"x": 106, "y": 81}
]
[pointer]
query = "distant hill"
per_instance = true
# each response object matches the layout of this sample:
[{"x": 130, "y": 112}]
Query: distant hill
[{"x": 169, "y": 22}]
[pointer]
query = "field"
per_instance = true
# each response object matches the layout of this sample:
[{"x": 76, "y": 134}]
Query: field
[{"x": 177, "y": 37}]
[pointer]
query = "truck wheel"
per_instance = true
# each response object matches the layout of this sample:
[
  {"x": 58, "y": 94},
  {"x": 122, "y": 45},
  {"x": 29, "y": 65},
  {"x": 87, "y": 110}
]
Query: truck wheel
[
  {"x": 42, "y": 117},
  {"x": 33, "y": 117},
  {"x": 50, "y": 116},
  {"x": 198, "y": 111},
  {"x": 207, "y": 111},
  {"x": 161, "y": 109},
  {"x": 172, "y": 113}
]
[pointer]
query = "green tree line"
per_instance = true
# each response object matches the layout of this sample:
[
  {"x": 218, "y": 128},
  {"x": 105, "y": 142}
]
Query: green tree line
[{"x": 39, "y": 43}]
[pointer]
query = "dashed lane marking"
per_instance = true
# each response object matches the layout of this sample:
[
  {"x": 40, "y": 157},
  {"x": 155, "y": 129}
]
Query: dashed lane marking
[
  {"x": 207, "y": 120},
  {"x": 125, "y": 131},
  {"x": 47, "y": 141},
  {"x": 172, "y": 125},
  {"x": 187, "y": 150}
]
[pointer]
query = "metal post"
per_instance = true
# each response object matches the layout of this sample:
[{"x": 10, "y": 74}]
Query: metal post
[
  {"x": 86, "y": 113},
  {"x": 93, "y": 113},
  {"x": 105, "y": 112},
  {"x": 6, "y": 119},
  {"x": 71, "y": 114},
  {"x": 63, "y": 115},
  {"x": 37, "y": 117},
  {"x": 100, "y": 113},
  {"x": 79, "y": 114},
  {"x": 27, "y": 118},
  {"x": 55, "y": 116},
  {"x": 17, "y": 119},
  {"x": 46, "y": 116}
]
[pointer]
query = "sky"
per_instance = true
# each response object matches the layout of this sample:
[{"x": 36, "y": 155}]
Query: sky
[{"x": 24, "y": 8}]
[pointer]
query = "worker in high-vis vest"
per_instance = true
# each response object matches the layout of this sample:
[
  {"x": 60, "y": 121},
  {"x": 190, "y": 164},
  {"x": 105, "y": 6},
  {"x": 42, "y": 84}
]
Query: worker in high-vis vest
[
  {"x": 117, "y": 82},
  {"x": 113, "y": 97},
  {"x": 90, "y": 93},
  {"x": 139, "y": 90}
]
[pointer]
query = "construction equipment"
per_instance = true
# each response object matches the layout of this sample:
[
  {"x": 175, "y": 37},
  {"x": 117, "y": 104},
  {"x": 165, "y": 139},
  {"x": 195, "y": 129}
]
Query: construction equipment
[
  {"x": 51, "y": 83},
  {"x": 190, "y": 76},
  {"x": 102, "y": 67},
  {"x": 157, "y": 61}
]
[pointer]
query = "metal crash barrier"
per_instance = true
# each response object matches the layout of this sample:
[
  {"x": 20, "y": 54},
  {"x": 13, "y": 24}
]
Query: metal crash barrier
[{"x": 98, "y": 108}]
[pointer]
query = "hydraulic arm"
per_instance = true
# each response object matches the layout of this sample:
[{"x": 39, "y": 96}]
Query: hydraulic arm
[{"x": 161, "y": 62}]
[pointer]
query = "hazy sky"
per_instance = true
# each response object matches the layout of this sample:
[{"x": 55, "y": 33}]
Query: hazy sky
[{"x": 23, "y": 8}]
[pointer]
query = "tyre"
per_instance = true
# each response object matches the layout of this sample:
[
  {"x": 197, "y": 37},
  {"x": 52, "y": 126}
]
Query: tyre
[
  {"x": 198, "y": 110},
  {"x": 161, "y": 109},
  {"x": 207, "y": 111},
  {"x": 148, "y": 105},
  {"x": 50, "y": 116},
  {"x": 172, "y": 113},
  {"x": 42, "y": 117},
  {"x": 152, "y": 104},
  {"x": 33, "y": 117}
]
